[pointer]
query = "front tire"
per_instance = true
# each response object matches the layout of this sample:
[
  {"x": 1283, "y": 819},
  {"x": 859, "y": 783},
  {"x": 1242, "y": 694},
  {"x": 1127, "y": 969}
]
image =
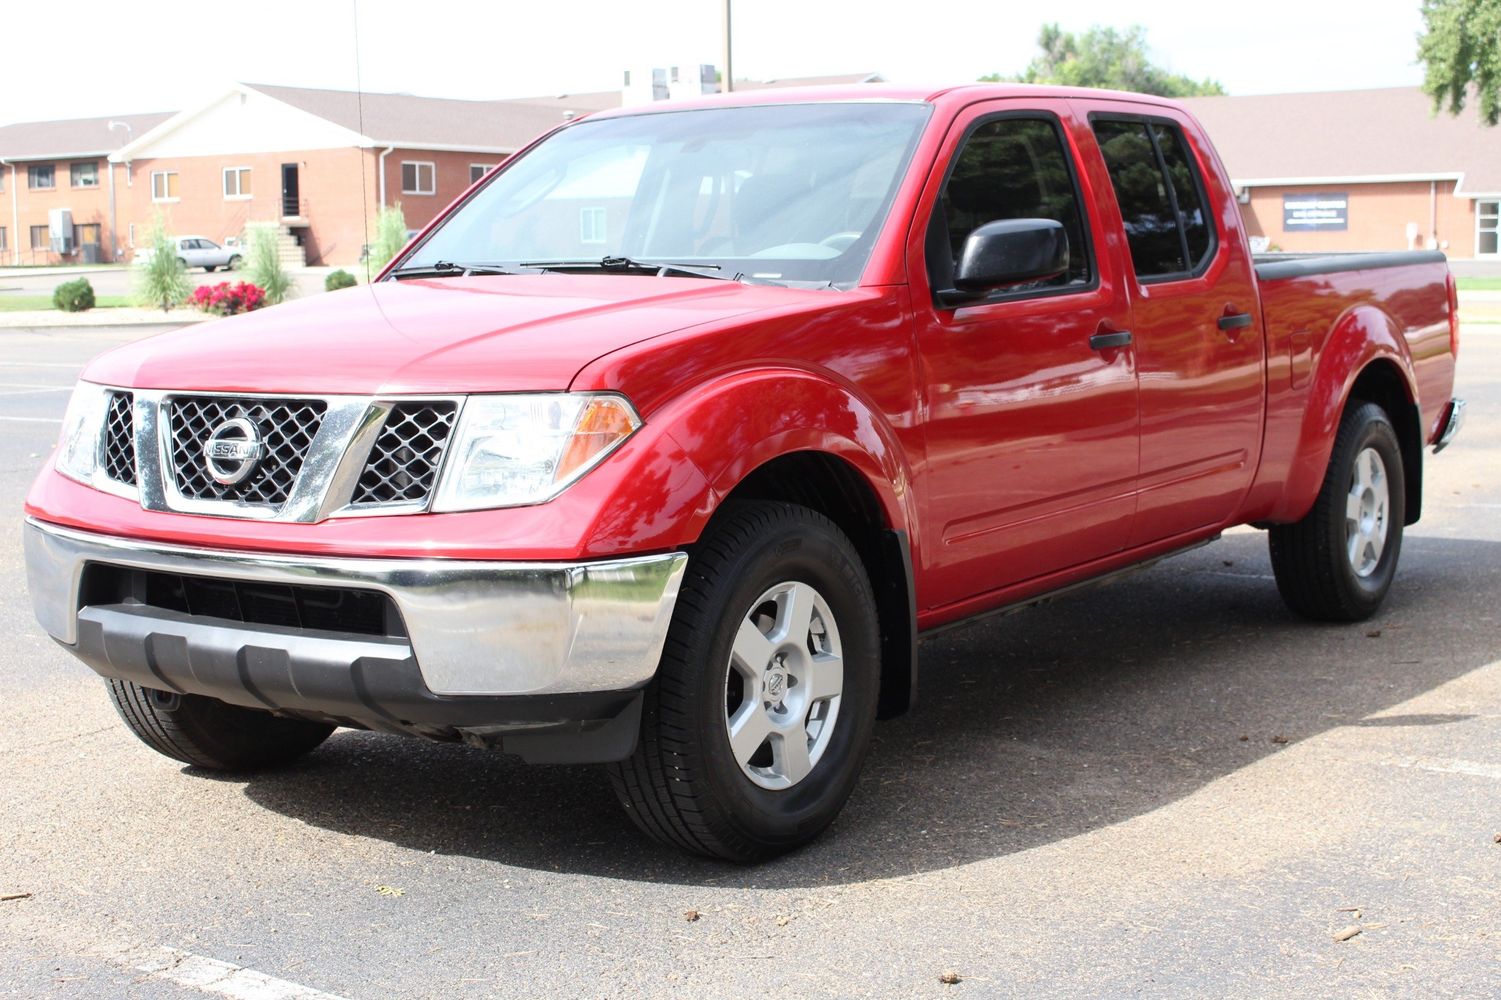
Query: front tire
[
  {"x": 1338, "y": 563},
  {"x": 211, "y": 734},
  {"x": 753, "y": 733}
]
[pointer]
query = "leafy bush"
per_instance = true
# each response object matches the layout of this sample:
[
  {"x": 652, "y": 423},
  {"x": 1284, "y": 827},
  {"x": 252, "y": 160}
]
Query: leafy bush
[
  {"x": 226, "y": 299},
  {"x": 339, "y": 279},
  {"x": 390, "y": 237},
  {"x": 161, "y": 282},
  {"x": 263, "y": 262},
  {"x": 73, "y": 296}
]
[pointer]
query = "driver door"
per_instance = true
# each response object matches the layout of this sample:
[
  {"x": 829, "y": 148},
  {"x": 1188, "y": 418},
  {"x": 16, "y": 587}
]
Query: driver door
[{"x": 1032, "y": 411}]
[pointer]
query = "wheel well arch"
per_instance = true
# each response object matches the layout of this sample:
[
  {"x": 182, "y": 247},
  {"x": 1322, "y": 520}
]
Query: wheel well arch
[
  {"x": 836, "y": 489},
  {"x": 1382, "y": 382}
]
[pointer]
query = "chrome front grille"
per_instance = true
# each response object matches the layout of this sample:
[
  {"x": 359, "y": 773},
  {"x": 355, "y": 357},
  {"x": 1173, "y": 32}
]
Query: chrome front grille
[
  {"x": 120, "y": 438},
  {"x": 403, "y": 464},
  {"x": 287, "y": 429},
  {"x": 304, "y": 458}
]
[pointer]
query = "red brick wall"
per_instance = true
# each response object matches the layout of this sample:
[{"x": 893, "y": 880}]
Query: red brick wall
[
  {"x": 338, "y": 188},
  {"x": 1378, "y": 213}
]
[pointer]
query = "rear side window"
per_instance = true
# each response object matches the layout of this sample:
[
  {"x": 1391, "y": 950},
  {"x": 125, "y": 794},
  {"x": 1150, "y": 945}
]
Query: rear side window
[
  {"x": 1009, "y": 168},
  {"x": 1160, "y": 196}
]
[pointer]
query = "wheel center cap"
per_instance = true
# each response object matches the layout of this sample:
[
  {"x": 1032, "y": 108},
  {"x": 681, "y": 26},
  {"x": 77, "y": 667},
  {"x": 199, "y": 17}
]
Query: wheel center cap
[{"x": 776, "y": 685}]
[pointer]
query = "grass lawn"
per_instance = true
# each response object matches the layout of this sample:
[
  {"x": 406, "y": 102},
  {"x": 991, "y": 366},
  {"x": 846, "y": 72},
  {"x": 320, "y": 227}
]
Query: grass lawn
[
  {"x": 1479, "y": 284},
  {"x": 27, "y": 303}
]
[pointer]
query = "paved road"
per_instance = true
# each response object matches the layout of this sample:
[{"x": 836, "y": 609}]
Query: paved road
[{"x": 1163, "y": 787}]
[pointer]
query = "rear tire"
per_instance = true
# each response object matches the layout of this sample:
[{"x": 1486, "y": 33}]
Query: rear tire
[
  {"x": 211, "y": 734},
  {"x": 1338, "y": 563},
  {"x": 774, "y": 639},
  {"x": 210, "y": 270},
  {"x": 234, "y": 263}
]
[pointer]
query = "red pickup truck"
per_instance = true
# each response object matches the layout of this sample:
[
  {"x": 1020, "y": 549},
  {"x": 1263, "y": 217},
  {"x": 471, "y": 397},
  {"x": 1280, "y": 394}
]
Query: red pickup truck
[{"x": 663, "y": 445}]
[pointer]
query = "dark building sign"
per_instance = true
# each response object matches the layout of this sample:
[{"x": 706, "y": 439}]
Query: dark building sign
[{"x": 1324, "y": 211}]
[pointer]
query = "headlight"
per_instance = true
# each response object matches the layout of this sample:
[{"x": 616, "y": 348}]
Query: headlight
[
  {"x": 511, "y": 450},
  {"x": 78, "y": 448}
]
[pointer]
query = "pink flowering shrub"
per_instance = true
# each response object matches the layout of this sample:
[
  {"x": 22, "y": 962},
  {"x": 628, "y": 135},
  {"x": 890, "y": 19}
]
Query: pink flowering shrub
[{"x": 226, "y": 299}]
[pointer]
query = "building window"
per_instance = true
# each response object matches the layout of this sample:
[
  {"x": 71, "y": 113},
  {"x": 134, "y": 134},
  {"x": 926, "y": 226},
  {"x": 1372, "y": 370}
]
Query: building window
[
  {"x": 39, "y": 238},
  {"x": 4, "y": 245},
  {"x": 478, "y": 170},
  {"x": 2, "y": 180},
  {"x": 419, "y": 177},
  {"x": 130, "y": 233},
  {"x": 41, "y": 177},
  {"x": 86, "y": 232},
  {"x": 83, "y": 175},
  {"x": 236, "y": 183},
  {"x": 164, "y": 185},
  {"x": 1486, "y": 216},
  {"x": 592, "y": 225}
]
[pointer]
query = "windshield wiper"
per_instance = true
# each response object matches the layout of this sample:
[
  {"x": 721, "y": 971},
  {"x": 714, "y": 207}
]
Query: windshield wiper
[
  {"x": 447, "y": 268},
  {"x": 625, "y": 265}
]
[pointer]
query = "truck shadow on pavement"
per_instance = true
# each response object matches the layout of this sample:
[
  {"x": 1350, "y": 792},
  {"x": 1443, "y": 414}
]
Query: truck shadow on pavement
[{"x": 1030, "y": 729}]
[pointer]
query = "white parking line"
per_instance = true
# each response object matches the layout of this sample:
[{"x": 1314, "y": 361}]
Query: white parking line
[
  {"x": 34, "y": 420},
  {"x": 27, "y": 389},
  {"x": 40, "y": 364},
  {"x": 209, "y": 975}
]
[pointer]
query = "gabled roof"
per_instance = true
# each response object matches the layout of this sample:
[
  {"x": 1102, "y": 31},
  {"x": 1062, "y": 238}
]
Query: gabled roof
[
  {"x": 424, "y": 122},
  {"x": 73, "y": 138},
  {"x": 811, "y": 81},
  {"x": 1349, "y": 136}
]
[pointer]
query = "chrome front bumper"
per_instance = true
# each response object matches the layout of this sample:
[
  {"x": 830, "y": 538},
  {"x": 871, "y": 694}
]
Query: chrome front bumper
[
  {"x": 474, "y": 628},
  {"x": 1451, "y": 421}
]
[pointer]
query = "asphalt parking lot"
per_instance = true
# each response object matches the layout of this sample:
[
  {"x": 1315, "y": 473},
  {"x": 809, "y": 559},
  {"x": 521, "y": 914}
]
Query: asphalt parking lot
[{"x": 1163, "y": 787}]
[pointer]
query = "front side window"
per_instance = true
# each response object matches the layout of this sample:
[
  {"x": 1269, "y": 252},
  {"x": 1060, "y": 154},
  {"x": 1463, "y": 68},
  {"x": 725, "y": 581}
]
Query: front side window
[
  {"x": 788, "y": 193},
  {"x": 84, "y": 175},
  {"x": 1009, "y": 168},
  {"x": 164, "y": 185},
  {"x": 41, "y": 177},
  {"x": 236, "y": 183},
  {"x": 418, "y": 178},
  {"x": 1159, "y": 194}
]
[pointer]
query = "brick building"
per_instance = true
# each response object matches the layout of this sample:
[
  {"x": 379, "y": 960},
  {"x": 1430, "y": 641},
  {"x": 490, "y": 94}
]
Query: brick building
[
  {"x": 1360, "y": 170},
  {"x": 51, "y": 166}
]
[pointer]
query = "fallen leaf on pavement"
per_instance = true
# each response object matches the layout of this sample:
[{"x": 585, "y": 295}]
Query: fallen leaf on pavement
[
  {"x": 1348, "y": 933},
  {"x": 1279, "y": 739},
  {"x": 387, "y": 890},
  {"x": 949, "y": 977},
  {"x": 26, "y": 895},
  {"x": 691, "y": 915}
]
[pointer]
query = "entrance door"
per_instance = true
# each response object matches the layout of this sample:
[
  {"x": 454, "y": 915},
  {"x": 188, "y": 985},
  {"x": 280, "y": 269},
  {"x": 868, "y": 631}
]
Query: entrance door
[{"x": 291, "y": 196}]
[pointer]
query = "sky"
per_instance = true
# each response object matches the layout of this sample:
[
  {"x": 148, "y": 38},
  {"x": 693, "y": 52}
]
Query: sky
[{"x": 92, "y": 58}]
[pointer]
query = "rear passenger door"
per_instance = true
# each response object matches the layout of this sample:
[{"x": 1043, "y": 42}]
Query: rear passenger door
[
  {"x": 1030, "y": 408},
  {"x": 1196, "y": 320}
]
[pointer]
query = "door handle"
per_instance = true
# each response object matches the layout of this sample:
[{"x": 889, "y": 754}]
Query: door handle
[
  {"x": 1105, "y": 341},
  {"x": 1235, "y": 321}
]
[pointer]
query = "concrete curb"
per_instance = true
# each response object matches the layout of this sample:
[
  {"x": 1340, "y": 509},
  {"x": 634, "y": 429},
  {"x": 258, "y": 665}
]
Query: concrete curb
[{"x": 40, "y": 319}]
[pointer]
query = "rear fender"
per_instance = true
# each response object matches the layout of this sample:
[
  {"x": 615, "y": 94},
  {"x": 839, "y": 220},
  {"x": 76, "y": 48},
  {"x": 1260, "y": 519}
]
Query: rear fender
[{"x": 1362, "y": 336}]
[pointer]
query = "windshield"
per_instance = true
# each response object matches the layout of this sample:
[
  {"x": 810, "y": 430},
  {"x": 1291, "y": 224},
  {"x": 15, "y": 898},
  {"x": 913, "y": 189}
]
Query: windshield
[{"x": 791, "y": 193}]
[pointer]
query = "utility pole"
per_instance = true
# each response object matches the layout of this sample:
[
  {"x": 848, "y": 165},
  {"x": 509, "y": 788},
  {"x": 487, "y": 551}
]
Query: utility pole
[
  {"x": 728, "y": 83},
  {"x": 114, "y": 218}
]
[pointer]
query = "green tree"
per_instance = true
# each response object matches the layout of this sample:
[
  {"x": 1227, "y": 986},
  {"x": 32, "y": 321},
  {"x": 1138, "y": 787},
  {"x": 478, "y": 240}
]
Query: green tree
[
  {"x": 161, "y": 281},
  {"x": 1461, "y": 45},
  {"x": 1103, "y": 57},
  {"x": 390, "y": 237}
]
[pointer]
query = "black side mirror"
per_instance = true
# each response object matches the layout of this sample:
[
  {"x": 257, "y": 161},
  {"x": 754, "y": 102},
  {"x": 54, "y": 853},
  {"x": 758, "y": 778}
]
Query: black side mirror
[{"x": 1009, "y": 252}]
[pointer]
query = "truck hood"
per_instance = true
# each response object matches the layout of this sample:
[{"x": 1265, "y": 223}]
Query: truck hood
[{"x": 485, "y": 333}]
